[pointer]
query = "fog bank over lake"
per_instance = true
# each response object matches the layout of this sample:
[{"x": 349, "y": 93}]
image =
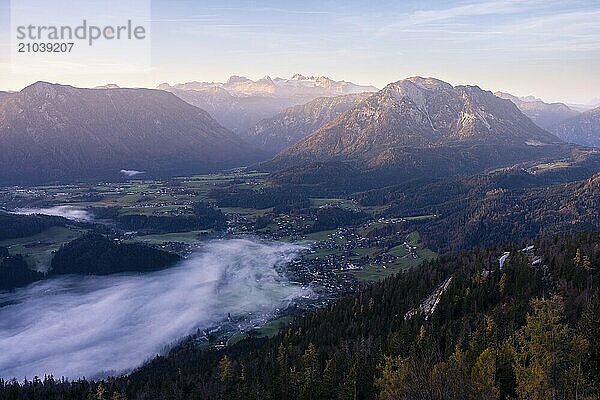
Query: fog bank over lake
[
  {"x": 76, "y": 326},
  {"x": 68, "y": 212}
]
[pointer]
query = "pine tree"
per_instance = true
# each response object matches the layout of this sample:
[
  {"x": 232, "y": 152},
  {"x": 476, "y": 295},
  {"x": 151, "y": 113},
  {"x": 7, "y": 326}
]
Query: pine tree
[
  {"x": 100, "y": 392},
  {"x": 483, "y": 376},
  {"x": 226, "y": 376},
  {"x": 422, "y": 333},
  {"x": 393, "y": 378},
  {"x": 502, "y": 283},
  {"x": 310, "y": 385},
  {"x": 578, "y": 260},
  {"x": 118, "y": 396},
  {"x": 546, "y": 353},
  {"x": 458, "y": 372},
  {"x": 225, "y": 370}
]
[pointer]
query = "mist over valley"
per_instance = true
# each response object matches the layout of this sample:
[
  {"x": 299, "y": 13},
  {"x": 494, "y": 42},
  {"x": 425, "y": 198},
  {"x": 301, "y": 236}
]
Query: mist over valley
[{"x": 86, "y": 326}]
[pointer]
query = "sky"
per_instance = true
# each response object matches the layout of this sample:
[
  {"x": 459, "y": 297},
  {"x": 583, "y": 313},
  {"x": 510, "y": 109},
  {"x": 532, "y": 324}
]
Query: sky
[{"x": 546, "y": 48}]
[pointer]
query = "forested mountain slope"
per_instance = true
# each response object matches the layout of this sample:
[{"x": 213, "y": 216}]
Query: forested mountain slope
[
  {"x": 526, "y": 330},
  {"x": 56, "y": 132}
]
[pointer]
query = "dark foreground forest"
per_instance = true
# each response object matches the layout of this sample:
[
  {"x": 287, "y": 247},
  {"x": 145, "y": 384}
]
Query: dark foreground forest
[{"x": 458, "y": 327}]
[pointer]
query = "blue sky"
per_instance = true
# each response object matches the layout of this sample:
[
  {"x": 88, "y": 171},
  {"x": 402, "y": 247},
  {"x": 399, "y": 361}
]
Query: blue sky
[{"x": 547, "y": 48}]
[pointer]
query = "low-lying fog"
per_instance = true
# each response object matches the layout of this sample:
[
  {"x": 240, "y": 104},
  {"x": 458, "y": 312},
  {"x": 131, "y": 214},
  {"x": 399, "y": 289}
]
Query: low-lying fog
[
  {"x": 68, "y": 212},
  {"x": 131, "y": 172},
  {"x": 76, "y": 326}
]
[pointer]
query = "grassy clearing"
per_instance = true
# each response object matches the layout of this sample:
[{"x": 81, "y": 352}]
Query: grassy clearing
[
  {"x": 38, "y": 249},
  {"x": 548, "y": 166},
  {"x": 250, "y": 212},
  {"x": 374, "y": 273},
  {"x": 322, "y": 235},
  {"x": 190, "y": 237},
  {"x": 403, "y": 261},
  {"x": 367, "y": 251},
  {"x": 378, "y": 272},
  {"x": 413, "y": 238},
  {"x": 398, "y": 251},
  {"x": 159, "y": 210},
  {"x": 333, "y": 202},
  {"x": 426, "y": 254},
  {"x": 321, "y": 254},
  {"x": 270, "y": 329},
  {"x": 364, "y": 230},
  {"x": 420, "y": 217}
]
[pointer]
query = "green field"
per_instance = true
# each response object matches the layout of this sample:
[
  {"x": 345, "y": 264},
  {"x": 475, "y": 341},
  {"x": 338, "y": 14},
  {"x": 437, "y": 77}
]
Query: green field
[
  {"x": 398, "y": 251},
  {"x": 334, "y": 202},
  {"x": 413, "y": 238},
  {"x": 420, "y": 217},
  {"x": 548, "y": 166},
  {"x": 38, "y": 249},
  {"x": 321, "y": 235},
  {"x": 170, "y": 197},
  {"x": 377, "y": 272},
  {"x": 402, "y": 262},
  {"x": 249, "y": 212},
  {"x": 364, "y": 230},
  {"x": 190, "y": 237},
  {"x": 321, "y": 254},
  {"x": 367, "y": 251},
  {"x": 270, "y": 329}
]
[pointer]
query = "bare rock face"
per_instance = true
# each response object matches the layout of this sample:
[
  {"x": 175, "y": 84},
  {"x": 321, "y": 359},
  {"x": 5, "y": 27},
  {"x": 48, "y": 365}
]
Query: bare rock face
[
  {"x": 420, "y": 113},
  {"x": 55, "y": 132},
  {"x": 240, "y": 103},
  {"x": 294, "y": 123}
]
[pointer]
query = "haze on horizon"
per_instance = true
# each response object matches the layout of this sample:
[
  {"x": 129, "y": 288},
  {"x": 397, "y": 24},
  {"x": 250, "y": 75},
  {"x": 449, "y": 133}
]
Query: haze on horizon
[{"x": 549, "y": 49}]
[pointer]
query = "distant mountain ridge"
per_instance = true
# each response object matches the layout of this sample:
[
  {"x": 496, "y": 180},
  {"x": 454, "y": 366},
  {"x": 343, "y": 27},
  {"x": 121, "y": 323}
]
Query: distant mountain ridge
[
  {"x": 294, "y": 123},
  {"x": 298, "y": 86},
  {"x": 545, "y": 115},
  {"x": 421, "y": 113},
  {"x": 418, "y": 128},
  {"x": 582, "y": 129},
  {"x": 57, "y": 132},
  {"x": 108, "y": 86},
  {"x": 239, "y": 103}
]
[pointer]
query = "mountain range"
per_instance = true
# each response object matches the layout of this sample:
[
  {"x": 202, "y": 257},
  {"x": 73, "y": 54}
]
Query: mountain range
[
  {"x": 239, "y": 103},
  {"x": 523, "y": 204},
  {"x": 298, "y": 86},
  {"x": 420, "y": 113},
  {"x": 422, "y": 125},
  {"x": 571, "y": 124},
  {"x": 453, "y": 199},
  {"x": 545, "y": 115},
  {"x": 583, "y": 129},
  {"x": 294, "y": 123},
  {"x": 55, "y": 132}
]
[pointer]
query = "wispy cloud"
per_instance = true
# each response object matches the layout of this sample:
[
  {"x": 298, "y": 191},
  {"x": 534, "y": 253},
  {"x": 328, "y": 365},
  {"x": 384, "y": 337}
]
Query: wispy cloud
[
  {"x": 270, "y": 9},
  {"x": 431, "y": 16},
  {"x": 500, "y": 43}
]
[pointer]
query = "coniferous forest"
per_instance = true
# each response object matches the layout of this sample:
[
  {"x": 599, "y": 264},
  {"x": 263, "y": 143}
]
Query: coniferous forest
[
  {"x": 299, "y": 200},
  {"x": 529, "y": 330}
]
